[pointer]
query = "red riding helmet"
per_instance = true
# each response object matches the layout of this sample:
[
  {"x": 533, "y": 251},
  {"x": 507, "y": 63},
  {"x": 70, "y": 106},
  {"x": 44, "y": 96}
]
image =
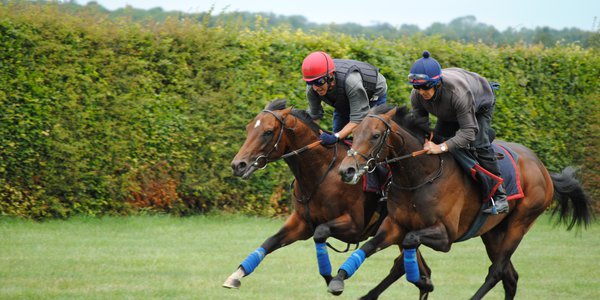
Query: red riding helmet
[{"x": 317, "y": 65}]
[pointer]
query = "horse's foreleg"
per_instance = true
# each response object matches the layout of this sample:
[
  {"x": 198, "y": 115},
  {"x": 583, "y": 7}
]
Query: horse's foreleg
[
  {"x": 435, "y": 237},
  {"x": 424, "y": 284},
  {"x": 322, "y": 233},
  {"x": 387, "y": 235},
  {"x": 293, "y": 230}
]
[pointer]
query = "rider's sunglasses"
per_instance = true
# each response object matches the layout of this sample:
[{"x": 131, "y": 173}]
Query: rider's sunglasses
[
  {"x": 318, "y": 82},
  {"x": 423, "y": 86},
  {"x": 422, "y": 81}
]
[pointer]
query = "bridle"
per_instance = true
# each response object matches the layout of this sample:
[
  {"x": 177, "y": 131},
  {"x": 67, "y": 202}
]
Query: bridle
[
  {"x": 264, "y": 158},
  {"x": 373, "y": 156},
  {"x": 301, "y": 199}
]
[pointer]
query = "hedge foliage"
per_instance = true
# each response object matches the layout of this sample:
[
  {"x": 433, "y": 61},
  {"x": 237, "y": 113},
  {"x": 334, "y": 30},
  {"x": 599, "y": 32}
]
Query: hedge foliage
[{"x": 101, "y": 116}]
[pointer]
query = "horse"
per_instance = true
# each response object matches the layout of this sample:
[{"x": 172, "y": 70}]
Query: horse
[
  {"x": 324, "y": 206},
  {"x": 433, "y": 202}
]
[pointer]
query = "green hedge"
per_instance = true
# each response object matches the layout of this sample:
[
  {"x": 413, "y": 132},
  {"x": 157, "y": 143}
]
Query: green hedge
[{"x": 114, "y": 117}]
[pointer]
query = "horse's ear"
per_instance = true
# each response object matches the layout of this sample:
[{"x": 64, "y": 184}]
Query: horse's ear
[
  {"x": 286, "y": 111},
  {"x": 391, "y": 113}
]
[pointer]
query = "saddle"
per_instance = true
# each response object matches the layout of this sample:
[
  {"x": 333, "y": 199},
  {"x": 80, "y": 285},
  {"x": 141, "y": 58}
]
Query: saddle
[{"x": 507, "y": 163}]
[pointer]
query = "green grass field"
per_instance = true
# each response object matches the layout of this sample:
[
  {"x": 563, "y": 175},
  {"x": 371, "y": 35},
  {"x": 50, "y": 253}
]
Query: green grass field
[{"x": 161, "y": 257}]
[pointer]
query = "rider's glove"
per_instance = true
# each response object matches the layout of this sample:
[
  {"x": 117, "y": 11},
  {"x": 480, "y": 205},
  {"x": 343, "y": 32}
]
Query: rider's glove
[{"x": 328, "y": 139}]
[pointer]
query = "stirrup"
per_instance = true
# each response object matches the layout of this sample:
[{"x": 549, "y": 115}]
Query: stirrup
[{"x": 493, "y": 209}]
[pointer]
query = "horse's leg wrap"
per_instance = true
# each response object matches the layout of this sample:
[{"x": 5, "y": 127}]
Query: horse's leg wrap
[
  {"x": 323, "y": 259},
  {"x": 410, "y": 265},
  {"x": 252, "y": 261},
  {"x": 353, "y": 262}
]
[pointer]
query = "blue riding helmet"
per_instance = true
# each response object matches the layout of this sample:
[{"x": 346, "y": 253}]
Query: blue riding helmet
[{"x": 426, "y": 71}]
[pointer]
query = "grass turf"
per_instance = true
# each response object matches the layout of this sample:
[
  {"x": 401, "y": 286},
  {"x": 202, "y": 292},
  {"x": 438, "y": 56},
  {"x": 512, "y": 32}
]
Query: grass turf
[{"x": 161, "y": 257}]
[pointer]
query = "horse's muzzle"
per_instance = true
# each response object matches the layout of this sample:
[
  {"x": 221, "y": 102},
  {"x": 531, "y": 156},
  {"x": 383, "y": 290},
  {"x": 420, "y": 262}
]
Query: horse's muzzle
[
  {"x": 243, "y": 169},
  {"x": 350, "y": 175}
]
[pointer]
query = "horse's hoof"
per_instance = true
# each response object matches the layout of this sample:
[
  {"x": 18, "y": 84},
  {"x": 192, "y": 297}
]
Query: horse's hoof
[
  {"x": 232, "y": 283},
  {"x": 336, "y": 287}
]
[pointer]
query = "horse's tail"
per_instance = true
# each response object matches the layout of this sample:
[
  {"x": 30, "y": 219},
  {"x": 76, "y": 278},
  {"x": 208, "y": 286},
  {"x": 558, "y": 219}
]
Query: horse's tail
[{"x": 566, "y": 187}]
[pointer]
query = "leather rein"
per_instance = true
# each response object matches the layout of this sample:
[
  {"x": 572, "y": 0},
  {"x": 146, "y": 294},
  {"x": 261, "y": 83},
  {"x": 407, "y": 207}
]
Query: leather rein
[
  {"x": 373, "y": 156},
  {"x": 265, "y": 157}
]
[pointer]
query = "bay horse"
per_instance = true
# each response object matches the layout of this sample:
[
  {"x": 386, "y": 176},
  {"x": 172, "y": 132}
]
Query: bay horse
[
  {"x": 324, "y": 206},
  {"x": 433, "y": 202}
]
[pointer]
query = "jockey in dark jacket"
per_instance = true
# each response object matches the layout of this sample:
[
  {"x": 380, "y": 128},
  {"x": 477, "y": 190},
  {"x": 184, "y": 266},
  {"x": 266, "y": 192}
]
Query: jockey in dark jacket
[{"x": 463, "y": 103}]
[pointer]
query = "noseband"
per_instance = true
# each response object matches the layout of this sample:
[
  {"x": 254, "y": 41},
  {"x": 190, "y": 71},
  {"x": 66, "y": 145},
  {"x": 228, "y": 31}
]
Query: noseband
[
  {"x": 372, "y": 163},
  {"x": 265, "y": 157},
  {"x": 371, "y": 159}
]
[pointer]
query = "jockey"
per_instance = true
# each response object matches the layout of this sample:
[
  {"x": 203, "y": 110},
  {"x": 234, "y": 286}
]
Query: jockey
[
  {"x": 463, "y": 103},
  {"x": 351, "y": 87}
]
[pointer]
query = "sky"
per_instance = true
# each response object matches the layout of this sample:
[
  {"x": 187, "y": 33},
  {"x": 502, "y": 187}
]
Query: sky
[{"x": 556, "y": 14}]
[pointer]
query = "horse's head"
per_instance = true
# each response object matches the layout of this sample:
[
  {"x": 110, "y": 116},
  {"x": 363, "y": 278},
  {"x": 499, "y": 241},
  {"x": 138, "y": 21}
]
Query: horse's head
[
  {"x": 264, "y": 140},
  {"x": 384, "y": 134},
  {"x": 369, "y": 145}
]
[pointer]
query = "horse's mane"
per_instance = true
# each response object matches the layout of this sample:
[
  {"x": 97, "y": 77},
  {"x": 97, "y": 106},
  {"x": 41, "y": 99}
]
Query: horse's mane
[
  {"x": 302, "y": 115},
  {"x": 277, "y": 104},
  {"x": 415, "y": 125}
]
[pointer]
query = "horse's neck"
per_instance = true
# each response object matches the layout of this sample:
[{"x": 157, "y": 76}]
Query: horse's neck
[
  {"x": 412, "y": 170},
  {"x": 311, "y": 165}
]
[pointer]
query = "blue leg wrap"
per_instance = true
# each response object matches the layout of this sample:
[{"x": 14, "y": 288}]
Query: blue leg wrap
[
  {"x": 323, "y": 259},
  {"x": 353, "y": 262},
  {"x": 252, "y": 261},
  {"x": 410, "y": 265}
]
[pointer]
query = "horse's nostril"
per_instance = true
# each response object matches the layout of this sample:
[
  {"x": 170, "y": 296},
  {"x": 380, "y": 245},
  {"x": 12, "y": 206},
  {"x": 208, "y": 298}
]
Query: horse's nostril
[
  {"x": 241, "y": 167},
  {"x": 347, "y": 174},
  {"x": 350, "y": 172},
  {"x": 238, "y": 167}
]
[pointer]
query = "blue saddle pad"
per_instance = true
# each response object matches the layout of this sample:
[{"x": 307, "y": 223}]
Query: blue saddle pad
[
  {"x": 510, "y": 172},
  {"x": 490, "y": 182}
]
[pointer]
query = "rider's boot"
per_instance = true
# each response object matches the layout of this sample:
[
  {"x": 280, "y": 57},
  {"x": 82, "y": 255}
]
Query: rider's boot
[{"x": 499, "y": 203}]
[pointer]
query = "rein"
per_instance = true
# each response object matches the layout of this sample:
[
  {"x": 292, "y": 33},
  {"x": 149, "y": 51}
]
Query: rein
[
  {"x": 303, "y": 199},
  {"x": 373, "y": 157},
  {"x": 265, "y": 157},
  {"x": 435, "y": 176}
]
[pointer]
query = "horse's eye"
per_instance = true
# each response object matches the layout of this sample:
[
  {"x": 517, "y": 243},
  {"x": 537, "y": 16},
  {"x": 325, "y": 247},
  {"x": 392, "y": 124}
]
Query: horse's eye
[
  {"x": 376, "y": 136},
  {"x": 268, "y": 133}
]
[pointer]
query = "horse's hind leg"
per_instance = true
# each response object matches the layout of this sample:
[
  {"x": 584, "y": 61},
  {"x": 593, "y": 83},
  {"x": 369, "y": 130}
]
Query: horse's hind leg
[
  {"x": 424, "y": 284},
  {"x": 510, "y": 277},
  {"x": 509, "y": 281},
  {"x": 500, "y": 244}
]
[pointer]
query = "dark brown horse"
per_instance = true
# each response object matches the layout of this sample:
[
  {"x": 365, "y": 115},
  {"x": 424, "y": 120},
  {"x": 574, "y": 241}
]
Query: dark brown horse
[
  {"x": 324, "y": 206},
  {"x": 433, "y": 202}
]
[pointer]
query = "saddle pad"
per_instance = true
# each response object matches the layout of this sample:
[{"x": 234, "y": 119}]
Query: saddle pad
[
  {"x": 510, "y": 173},
  {"x": 489, "y": 182}
]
